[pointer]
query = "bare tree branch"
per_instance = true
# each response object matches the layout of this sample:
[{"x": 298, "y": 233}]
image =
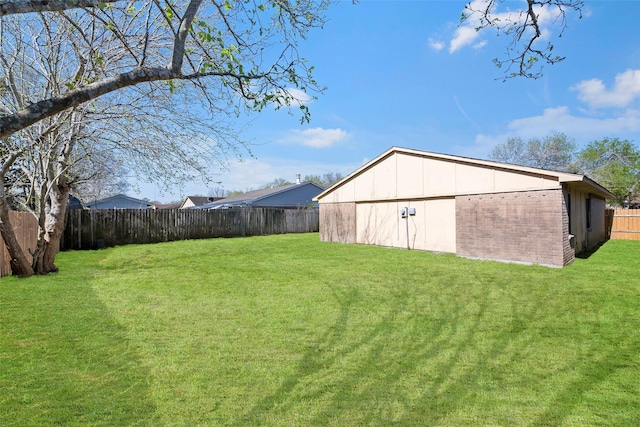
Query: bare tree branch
[
  {"x": 524, "y": 57},
  {"x": 35, "y": 112},
  {"x": 13, "y": 7}
]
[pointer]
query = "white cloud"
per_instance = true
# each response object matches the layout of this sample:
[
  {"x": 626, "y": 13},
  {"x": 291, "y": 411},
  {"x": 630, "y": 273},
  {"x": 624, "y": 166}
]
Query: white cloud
[
  {"x": 436, "y": 44},
  {"x": 299, "y": 97},
  {"x": 249, "y": 174},
  {"x": 464, "y": 35},
  {"x": 624, "y": 91},
  {"x": 480, "y": 44},
  {"x": 318, "y": 137},
  {"x": 580, "y": 127}
]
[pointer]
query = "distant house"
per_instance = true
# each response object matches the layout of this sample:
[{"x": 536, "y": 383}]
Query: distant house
[
  {"x": 633, "y": 204},
  {"x": 119, "y": 201},
  {"x": 287, "y": 196},
  {"x": 474, "y": 208},
  {"x": 191, "y": 201}
]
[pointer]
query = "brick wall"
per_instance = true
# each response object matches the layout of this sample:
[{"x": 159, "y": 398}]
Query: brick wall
[{"x": 521, "y": 227}]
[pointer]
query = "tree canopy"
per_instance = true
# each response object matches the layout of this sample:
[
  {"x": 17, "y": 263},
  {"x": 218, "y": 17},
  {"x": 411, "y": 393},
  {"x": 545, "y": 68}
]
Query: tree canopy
[
  {"x": 615, "y": 164},
  {"x": 612, "y": 162}
]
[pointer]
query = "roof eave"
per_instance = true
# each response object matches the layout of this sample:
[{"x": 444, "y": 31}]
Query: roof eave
[
  {"x": 560, "y": 176},
  {"x": 588, "y": 183}
]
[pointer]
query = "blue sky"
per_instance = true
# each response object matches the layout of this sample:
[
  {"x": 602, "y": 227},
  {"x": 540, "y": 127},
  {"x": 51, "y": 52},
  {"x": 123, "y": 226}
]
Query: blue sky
[{"x": 404, "y": 73}]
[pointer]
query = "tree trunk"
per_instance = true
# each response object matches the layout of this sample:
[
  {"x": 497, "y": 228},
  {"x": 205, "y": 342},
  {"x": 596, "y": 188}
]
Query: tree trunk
[
  {"x": 20, "y": 265},
  {"x": 13, "y": 7},
  {"x": 54, "y": 225}
]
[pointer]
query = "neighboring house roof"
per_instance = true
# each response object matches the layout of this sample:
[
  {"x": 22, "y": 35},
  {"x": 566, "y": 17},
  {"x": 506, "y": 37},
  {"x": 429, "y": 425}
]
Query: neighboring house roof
[
  {"x": 577, "y": 180},
  {"x": 293, "y": 195},
  {"x": 119, "y": 201},
  {"x": 166, "y": 205},
  {"x": 190, "y": 201},
  {"x": 74, "y": 203}
]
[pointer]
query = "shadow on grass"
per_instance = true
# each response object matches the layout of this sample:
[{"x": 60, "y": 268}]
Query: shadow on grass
[
  {"x": 591, "y": 373},
  {"x": 424, "y": 368},
  {"x": 417, "y": 374},
  {"x": 586, "y": 254},
  {"x": 65, "y": 360}
]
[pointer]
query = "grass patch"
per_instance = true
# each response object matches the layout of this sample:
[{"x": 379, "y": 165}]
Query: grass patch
[{"x": 286, "y": 330}]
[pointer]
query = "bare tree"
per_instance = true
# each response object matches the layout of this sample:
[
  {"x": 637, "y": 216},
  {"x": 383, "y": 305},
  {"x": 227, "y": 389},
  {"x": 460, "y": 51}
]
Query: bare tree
[
  {"x": 100, "y": 174},
  {"x": 13, "y": 7},
  {"x": 555, "y": 151},
  {"x": 278, "y": 182},
  {"x": 513, "y": 151},
  {"x": 326, "y": 180},
  {"x": 217, "y": 192}
]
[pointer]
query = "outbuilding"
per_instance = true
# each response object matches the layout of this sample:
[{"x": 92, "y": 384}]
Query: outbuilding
[{"x": 474, "y": 208}]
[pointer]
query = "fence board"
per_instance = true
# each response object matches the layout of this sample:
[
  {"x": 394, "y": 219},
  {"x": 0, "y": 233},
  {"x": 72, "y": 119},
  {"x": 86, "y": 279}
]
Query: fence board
[
  {"x": 25, "y": 226},
  {"x": 625, "y": 224},
  {"x": 90, "y": 229}
]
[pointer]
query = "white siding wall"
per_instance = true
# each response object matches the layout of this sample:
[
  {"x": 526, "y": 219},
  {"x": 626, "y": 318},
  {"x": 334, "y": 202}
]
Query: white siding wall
[
  {"x": 433, "y": 227},
  {"x": 440, "y": 230},
  {"x": 439, "y": 177}
]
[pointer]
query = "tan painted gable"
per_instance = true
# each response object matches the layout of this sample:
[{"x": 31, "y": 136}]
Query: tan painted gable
[{"x": 410, "y": 174}]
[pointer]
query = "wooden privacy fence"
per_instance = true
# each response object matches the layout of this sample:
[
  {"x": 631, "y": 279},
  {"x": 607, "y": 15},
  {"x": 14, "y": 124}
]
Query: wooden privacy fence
[
  {"x": 25, "y": 225},
  {"x": 625, "y": 224},
  {"x": 91, "y": 229}
]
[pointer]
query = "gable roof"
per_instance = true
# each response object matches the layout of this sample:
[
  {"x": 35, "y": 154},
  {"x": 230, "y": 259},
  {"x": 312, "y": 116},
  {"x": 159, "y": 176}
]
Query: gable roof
[
  {"x": 200, "y": 200},
  {"x": 251, "y": 197},
  {"x": 116, "y": 198},
  {"x": 580, "y": 181},
  {"x": 164, "y": 206}
]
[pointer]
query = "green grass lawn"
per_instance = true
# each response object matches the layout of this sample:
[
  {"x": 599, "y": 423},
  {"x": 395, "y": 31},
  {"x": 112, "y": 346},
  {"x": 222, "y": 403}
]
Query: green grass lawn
[{"x": 288, "y": 331}]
